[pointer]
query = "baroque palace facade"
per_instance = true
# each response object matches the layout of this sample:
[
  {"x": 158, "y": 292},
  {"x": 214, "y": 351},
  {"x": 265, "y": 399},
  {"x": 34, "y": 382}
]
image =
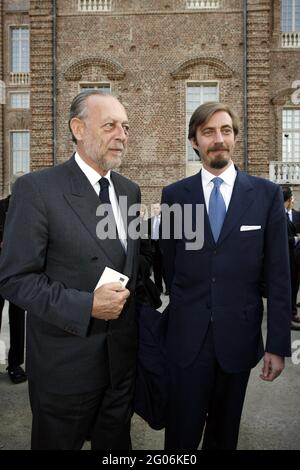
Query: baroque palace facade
[{"x": 162, "y": 58}]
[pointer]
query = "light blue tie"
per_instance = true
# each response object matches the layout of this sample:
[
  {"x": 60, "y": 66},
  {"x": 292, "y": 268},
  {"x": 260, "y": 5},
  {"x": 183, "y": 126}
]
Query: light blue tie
[{"x": 216, "y": 208}]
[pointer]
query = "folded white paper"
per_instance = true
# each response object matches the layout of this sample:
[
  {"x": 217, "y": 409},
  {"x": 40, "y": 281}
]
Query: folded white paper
[
  {"x": 247, "y": 228},
  {"x": 110, "y": 275}
]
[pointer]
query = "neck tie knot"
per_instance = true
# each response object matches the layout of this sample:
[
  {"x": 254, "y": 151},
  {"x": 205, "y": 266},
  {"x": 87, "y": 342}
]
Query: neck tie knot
[
  {"x": 104, "y": 194},
  {"x": 104, "y": 183},
  {"x": 217, "y": 181}
]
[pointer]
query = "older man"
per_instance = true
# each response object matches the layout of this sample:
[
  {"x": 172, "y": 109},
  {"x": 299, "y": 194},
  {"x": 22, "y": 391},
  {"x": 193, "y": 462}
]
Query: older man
[{"x": 81, "y": 343}]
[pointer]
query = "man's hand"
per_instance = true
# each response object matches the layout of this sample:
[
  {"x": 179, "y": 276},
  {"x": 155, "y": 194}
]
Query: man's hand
[
  {"x": 273, "y": 366},
  {"x": 109, "y": 301}
]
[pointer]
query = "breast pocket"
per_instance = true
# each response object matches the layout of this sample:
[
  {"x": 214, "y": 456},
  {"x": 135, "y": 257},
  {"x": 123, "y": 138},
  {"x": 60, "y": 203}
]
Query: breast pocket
[{"x": 251, "y": 233}]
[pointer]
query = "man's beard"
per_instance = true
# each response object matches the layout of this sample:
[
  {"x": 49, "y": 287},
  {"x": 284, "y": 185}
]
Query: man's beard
[
  {"x": 109, "y": 164},
  {"x": 221, "y": 160},
  {"x": 219, "y": 164},
  {"x": 106, "y": 163}
]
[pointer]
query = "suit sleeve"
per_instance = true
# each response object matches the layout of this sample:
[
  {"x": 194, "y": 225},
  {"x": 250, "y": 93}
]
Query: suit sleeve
[
  {"x": 2, "y": 218},
  {"x": 22, "y": 265},
  {"x": 291, "y": 242},
  {"x": 146, "y": 258},
  {"x": 277, "y": 274}
]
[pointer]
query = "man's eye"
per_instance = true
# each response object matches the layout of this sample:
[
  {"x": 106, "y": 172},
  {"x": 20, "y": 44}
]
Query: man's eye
[
  {"x": 126, "y": 129},
  {"x": 108, "y": 125}
]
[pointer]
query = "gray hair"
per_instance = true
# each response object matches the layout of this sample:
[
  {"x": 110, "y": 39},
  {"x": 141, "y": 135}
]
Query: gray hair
[{"x": 78, "y": 108}]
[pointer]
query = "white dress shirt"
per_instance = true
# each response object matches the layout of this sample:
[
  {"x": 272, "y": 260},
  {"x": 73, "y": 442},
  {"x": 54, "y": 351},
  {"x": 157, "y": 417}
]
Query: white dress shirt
[
  {"x": 94, "y": 177},
  {"x": 155, "y": 227},
  {"x": 228, "y": 176}
]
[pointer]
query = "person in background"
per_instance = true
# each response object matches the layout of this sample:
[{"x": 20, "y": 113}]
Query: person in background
[
  {"x": 16, "y": 316},
  {"x": 293, "y": 242},
  {"x": 158, "y": 269},
  {"x": 147, "y": 293},
  {"x": 294, "y": 216},
  {"x": 150, "y": 394}
]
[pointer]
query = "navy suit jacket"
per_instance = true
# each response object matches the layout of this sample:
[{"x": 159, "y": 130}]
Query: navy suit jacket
[
  {"x": 222, "y": 281},
  {"x": 296, "y": 219}
]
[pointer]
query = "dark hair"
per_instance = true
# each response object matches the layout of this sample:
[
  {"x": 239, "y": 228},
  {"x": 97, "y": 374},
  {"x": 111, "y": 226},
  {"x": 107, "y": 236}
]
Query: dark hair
[
  {"x": 287, "y": 193},
  {"x": 204, "y": 112},
  {"x": 78, "y": 107}
]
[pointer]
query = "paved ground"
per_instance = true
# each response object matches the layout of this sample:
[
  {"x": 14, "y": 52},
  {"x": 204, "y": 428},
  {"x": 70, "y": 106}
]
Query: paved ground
[{"x": 271, "y": 418}]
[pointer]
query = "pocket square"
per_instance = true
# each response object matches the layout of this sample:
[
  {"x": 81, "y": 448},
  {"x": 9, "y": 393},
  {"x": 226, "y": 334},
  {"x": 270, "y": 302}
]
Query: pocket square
[{"x": 247, "y": 228}]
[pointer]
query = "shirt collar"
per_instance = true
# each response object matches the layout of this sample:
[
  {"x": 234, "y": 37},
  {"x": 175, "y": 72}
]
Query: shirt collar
[
  {"x": 228, "y": 176},
  {"x": 91, "y": 174}
]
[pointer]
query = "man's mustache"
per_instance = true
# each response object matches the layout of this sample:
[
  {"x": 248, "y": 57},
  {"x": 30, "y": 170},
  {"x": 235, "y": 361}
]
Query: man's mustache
[{"x": 218, "y": 147}]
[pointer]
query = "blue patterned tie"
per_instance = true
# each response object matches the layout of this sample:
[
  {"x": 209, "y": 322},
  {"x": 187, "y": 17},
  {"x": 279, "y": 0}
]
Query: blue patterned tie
[{"x": 216, "y": 208}]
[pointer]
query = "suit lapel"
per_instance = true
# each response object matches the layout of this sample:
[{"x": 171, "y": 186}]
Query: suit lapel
[
  {"x": 242, "y": 197},
  {"x": 195, "y": 195},
  {"x": 84, "y": 201}
]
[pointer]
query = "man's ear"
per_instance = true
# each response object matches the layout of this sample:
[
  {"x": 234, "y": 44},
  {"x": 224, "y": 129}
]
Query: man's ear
[
  {"x": 77, "y": 126},
  {"x": 193, "y": 143}
]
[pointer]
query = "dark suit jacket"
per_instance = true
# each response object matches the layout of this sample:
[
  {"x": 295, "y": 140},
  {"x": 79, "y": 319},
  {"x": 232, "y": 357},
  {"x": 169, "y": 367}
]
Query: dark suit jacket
[
  {"x": 151, "y": 391},
  {"x": 296, "y": 219},
  {"x": 222, "y": 280},
  {"x": 296, "y": 222},
  {"x": 4, "y": 203},
  {"x": 292, "y": 233},
  {"x": 293, "y": 249},
  {"x": 146, "y": 291},
  {"x": 50, "y": 265},
  {"x": 151, "y": 395},
  {"x": 150, "y": 226}
]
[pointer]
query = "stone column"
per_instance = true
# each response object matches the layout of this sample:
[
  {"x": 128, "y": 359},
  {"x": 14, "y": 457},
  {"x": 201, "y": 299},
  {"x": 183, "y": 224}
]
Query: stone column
[
  {"x": 258, "y": 86},
  {"x": 41, "y": 83}
]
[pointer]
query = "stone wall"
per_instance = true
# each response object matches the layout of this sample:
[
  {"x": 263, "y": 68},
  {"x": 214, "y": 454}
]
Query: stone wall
[
  {"x": 14, "y": 14},
  {"x": 148, "y": 51},
  {"x": 41, "y": 84},
  {"x": 258, "y": 86}
]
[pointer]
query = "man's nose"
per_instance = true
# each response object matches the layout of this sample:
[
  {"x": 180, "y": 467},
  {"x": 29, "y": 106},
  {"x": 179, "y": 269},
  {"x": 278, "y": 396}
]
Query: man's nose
[
  {"x": 219, "y": 136},
  {"x": 121, "y": 134}
]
